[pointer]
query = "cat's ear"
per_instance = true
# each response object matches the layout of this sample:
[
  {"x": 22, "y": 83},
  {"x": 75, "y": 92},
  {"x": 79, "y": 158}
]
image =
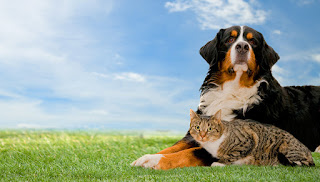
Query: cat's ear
[
  {"x": 217, "y": 116},
  {"x": 193, "y": 114}
]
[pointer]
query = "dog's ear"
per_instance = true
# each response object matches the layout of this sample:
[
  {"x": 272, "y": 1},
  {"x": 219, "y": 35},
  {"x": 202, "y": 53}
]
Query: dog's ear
[
  {"x": 209, "y": 52},
  {"x": 269, "y": 56}
]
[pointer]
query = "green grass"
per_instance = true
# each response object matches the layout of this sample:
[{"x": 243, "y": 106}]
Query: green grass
[{"x": 95, "y": 156}]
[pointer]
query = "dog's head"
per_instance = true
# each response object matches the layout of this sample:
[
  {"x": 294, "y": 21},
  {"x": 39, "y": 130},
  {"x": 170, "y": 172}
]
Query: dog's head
[{"x": 238, "y": 49}]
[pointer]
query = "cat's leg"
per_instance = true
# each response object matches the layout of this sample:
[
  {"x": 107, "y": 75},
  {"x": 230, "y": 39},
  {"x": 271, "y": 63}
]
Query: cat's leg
[
  {"x": 218, "y": 164},
  {"x": 317, "y": 149},
  {"x": 230, "y": 160},
  {"x": 249, "y": 160},
  {"x": 186, "y": 158},
  {"x": 296, "y": 154}
]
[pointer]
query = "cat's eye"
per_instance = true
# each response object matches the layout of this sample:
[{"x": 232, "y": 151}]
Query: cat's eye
[
  {"x": 197, "y": 127},
  {"x": 210, "y": 129}
]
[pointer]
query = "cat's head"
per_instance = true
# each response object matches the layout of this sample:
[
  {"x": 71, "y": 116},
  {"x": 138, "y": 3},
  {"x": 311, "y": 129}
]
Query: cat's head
[{"x": 204, "y": 129}]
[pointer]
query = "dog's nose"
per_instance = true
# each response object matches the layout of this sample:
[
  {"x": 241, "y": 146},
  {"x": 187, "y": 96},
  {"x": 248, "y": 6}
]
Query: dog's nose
[{"x": 242, "y": 47}]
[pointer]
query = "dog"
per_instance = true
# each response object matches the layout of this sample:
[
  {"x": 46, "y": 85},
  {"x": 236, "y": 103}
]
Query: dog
[{"x": 240, "y": 84}]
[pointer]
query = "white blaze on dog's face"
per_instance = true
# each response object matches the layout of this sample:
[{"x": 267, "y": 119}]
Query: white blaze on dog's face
[
  {"x": 240, "y": 52},
  {"x": 240, "y": 45}
]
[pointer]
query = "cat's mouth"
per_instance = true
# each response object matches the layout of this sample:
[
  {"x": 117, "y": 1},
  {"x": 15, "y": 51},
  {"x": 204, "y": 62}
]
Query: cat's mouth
[{"x": 203, "y": 140}]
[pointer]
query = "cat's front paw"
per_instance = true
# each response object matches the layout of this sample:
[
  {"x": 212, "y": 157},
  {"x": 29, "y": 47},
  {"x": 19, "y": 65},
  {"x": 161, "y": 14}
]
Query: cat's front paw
[
  {"x": 148, "y": 161},
  {"x": 217, "y": 164},
  {"x": 317, "y": 149}
]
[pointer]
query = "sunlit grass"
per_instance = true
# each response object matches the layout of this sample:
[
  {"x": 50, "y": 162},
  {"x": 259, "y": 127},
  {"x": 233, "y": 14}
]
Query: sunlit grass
[{"x": 92, "y": 156}]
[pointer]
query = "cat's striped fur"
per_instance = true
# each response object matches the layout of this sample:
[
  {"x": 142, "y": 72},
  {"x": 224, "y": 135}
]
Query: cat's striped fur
[{"x": 247, "y": 142}]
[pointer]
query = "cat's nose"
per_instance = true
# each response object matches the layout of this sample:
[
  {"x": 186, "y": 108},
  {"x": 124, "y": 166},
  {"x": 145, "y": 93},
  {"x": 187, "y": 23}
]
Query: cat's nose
[{"x": 203, "y": 134}]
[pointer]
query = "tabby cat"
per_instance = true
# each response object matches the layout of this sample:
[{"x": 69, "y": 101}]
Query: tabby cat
[{"x": 247, "y": 142}]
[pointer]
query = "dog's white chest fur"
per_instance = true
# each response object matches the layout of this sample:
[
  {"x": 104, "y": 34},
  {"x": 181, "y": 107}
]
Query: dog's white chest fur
[{"x": 228, "y": 98}]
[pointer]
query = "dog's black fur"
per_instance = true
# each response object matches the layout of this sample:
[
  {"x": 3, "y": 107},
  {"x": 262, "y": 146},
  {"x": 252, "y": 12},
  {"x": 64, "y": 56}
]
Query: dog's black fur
[{"x": 295, "y": 109}]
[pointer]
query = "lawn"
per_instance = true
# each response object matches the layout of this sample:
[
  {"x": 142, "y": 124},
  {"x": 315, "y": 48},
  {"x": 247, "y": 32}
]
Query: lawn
[{"x": 105, "y": 156}]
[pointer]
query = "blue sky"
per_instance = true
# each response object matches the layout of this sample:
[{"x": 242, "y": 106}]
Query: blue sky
[{"x": 133, "y": 64}]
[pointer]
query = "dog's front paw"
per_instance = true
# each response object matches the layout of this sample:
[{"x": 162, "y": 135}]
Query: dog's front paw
[{"x": 148, "y": 161}]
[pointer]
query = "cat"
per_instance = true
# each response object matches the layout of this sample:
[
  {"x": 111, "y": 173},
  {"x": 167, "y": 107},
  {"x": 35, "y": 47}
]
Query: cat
[{"x": 246, "y": 142}]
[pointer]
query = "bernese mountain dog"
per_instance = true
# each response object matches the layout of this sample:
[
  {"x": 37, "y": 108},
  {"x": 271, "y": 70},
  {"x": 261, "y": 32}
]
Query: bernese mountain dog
[{"x": 240, "y": 83}]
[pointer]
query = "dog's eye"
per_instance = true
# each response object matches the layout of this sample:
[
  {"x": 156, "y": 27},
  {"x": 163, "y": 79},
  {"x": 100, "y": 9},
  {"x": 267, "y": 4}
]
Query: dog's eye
[
  {"x": 231, "y": 40},
  {"x": 252, "y": 42}
]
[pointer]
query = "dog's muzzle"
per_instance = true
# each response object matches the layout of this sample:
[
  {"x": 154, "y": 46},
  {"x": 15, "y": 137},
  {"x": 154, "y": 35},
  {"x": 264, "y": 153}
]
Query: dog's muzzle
[{"x": 242, "y": 51}]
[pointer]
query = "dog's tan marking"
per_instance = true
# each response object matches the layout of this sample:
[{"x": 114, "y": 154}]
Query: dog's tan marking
[
  {"x": 247, "y": 78},
  {"x": 234, "y": 33},
  {"x": 225, "y": 73},
  {"x": 184, "y": 158}
]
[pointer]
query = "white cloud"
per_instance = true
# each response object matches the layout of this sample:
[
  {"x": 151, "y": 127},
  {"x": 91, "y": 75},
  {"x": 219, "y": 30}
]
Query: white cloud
[
  {"x": 22, "y": 110},
  {"x": 214, "y": 14},
  {"x": 297, "y": 67},
  {"x": 278, "y": 32},
  {"x": 101, "y": 75},
  {"x": 278, "y": 70},
  {"x": 178, "y": 6},
  {"x": 306, "y": 55},
  {"x": 99, "y": 112},
  {"x": 126, "y": 76},
  {"x": 281, "y": 74},
  {"x": 316, "y": 57},
  {"x": 130, "y": 77},
  {"x": 7, "y": 94}
]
